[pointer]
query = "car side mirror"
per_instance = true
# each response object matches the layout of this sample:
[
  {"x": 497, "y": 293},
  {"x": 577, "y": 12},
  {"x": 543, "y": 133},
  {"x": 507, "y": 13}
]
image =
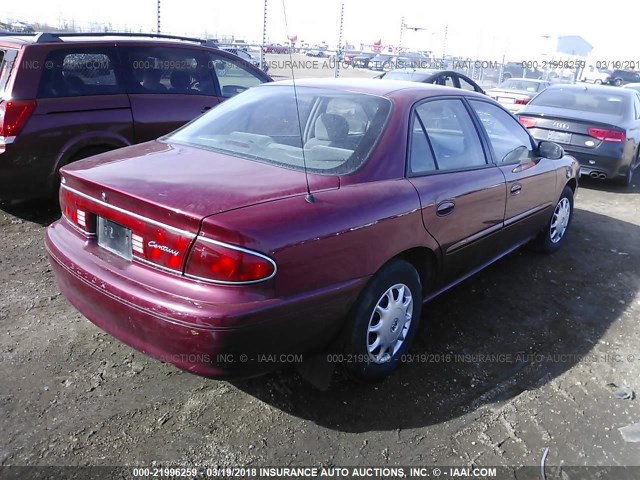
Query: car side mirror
[{"x": 550, "y": 150}]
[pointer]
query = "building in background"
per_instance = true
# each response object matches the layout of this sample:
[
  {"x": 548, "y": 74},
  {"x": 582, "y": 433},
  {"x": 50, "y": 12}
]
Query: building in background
[{"x": 573, "y": 45}]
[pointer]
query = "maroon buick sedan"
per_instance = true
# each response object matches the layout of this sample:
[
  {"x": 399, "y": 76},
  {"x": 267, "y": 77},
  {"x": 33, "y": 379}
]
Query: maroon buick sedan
[{"x": 288, "y": 220}]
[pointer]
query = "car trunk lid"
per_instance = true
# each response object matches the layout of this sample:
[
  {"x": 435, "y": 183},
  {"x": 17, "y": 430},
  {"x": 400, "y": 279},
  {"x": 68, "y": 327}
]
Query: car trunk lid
[
  {"x": 147, "y": 202},
  {"x": 562, "y": 127}
]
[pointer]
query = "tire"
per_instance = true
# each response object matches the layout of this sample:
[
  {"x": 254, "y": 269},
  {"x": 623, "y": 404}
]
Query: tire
[
  {"x": 398, "y": 284},
  {"x": 617, "y": 82},
  {"x": 627, "y": 179},
  {"x": 555, "y": 233},
  {"x": 597, "y": 81}
]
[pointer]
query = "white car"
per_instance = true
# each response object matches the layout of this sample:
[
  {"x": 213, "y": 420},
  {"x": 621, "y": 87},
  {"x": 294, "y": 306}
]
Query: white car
[
  {"x": 595, "y": 75},
  {"x": 515, "y": 93}
]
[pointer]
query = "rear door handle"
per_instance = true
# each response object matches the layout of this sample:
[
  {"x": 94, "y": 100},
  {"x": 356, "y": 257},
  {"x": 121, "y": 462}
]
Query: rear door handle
[
  {"x": 516, "y": 188},
  {"x": 445, "y": 208}
]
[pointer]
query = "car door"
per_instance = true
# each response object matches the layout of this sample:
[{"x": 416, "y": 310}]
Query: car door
[
  {"x": 168, "y": 86},
  {"x": 81, "y": 103},
  {"x": 530, "y": 179},
  {"x": 462, "y": 195}
]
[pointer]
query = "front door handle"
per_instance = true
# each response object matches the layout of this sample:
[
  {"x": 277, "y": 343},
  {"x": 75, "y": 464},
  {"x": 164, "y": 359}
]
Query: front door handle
[
  {"x": 516, "y": 188},
  {"x": 205, "y": 108},
  {"x": 445, "y": 208}
]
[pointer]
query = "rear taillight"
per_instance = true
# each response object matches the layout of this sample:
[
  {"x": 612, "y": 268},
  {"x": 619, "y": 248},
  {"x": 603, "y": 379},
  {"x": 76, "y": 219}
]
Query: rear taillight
[
  {"x": 522, "y": 101},
  {"x": 528, "y": 122},
  {"x": 212, "y": 261},
  {"x": 166, "y": 247},
  {"x": 153, "y": 243},
  {"x": 160, "y": 246},
  {"x": 607, "y": 135},
  {"x": 75, "y": 213},
  {"x": 13, "y": 116}
]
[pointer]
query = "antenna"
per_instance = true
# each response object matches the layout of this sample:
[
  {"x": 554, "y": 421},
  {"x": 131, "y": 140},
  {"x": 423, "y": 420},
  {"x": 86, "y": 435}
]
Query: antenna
[{"x": 309, "y": 197}]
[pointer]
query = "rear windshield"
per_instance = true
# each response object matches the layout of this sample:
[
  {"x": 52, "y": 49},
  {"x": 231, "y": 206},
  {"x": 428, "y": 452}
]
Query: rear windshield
[
  {"x": 333, "y": 134},
  {"x": 523, "y": 85},
  {"x": 582, "y": 101},
  {"x": 7, "y": 56},
  {"x": 398, "y": 75}
]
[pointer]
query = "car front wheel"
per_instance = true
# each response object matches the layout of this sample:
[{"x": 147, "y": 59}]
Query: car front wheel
[
  {"x": 383, "y": 322},
  {"x": 554, "y": 235}
]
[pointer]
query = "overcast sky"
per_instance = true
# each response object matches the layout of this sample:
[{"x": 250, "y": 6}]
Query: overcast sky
[{"x": 478, "y": 29}]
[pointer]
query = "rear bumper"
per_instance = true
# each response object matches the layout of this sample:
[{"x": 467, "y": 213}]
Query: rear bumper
[
  {"x": 594, "y": 165},
  {"x": 210, "y": 330}
]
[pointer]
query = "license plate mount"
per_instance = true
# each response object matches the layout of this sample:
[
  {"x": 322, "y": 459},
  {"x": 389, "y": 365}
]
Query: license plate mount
[{"x": 114, "y": 237}]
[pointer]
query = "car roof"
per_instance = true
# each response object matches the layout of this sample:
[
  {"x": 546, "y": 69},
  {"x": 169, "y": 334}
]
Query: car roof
[
  {"x": 380, "y": 87},
  {"x": 109, "y": 37}
]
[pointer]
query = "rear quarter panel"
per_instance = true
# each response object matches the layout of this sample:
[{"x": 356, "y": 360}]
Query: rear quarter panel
[{"x": 346, "y": 234}]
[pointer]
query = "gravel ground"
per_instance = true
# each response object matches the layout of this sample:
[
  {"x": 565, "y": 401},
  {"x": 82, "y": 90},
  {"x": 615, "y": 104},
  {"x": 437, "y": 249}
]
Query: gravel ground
[{"x": 522, "y": 357}]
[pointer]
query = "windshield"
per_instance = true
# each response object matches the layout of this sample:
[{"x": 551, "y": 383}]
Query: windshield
[
  {"x": 339, "y": 129},
  {"x": 582, "y": 100}
]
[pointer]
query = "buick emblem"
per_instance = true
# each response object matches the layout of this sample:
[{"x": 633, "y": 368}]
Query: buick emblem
[
  {"x": 563, "y": 126},
  {"x": 104, "y": 196}
]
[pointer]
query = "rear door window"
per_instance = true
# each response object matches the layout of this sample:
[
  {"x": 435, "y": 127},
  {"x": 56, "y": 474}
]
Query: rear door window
[
  {"x": 169, "y": 70},
  {"x": 80, "y": 72}
]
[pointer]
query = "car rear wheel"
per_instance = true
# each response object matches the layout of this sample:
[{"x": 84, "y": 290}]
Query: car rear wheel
[
  {"x": 627, "y": 179},
  {"x": 553, "y": 236},
  {"x": 598, "y": 81},
  {"x": 383, "y": 322}
]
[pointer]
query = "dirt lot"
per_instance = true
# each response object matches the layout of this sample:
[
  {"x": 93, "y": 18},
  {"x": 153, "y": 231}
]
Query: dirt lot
[{"x": 560, "y": 329}]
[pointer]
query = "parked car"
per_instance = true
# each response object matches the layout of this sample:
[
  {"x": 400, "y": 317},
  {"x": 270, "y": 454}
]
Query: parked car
[
  {"x": 620, "y": 77},
  {"x": 201, "y": 265},
  {"x": 412, "y": 59},
  {"x": 276, "y": 48},
  {"x": 316, "y": 53},
  {"x": 68, "y": 96},
  {"x": 246, "y": 56},
  {"x": 362, "y": 59},
  {"x": 595, "y": 75},
  {"x": 598, "y": 125},
  {"x": 515, "y": 93},
  {"x": 447, "y": 78},
  {"x": 381, "y": 61}
]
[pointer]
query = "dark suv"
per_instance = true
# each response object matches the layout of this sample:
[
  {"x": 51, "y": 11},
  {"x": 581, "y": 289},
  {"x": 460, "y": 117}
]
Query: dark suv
[
  {"x": 622, "y": 77},
  {"x": 64, "y": 97}
]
